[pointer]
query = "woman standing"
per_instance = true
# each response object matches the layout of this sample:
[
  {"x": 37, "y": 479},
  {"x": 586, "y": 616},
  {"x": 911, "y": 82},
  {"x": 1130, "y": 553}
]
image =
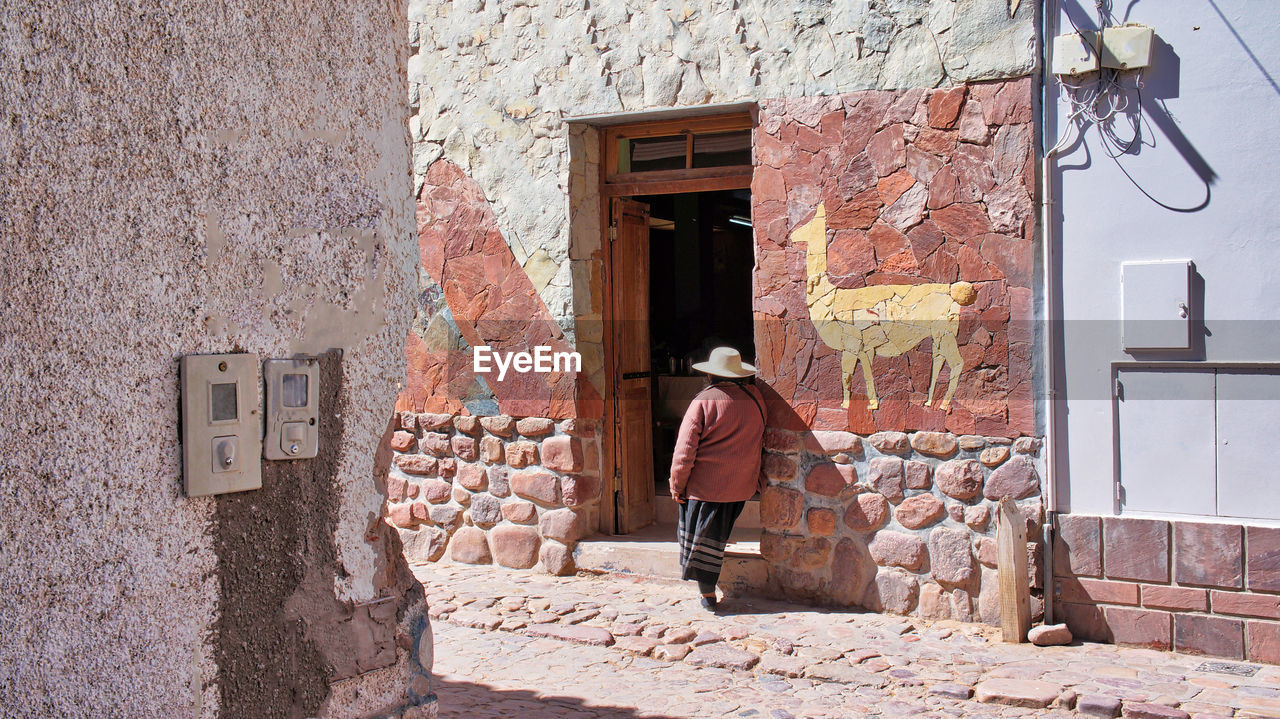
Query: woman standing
[{"x": 716, "y": 467}]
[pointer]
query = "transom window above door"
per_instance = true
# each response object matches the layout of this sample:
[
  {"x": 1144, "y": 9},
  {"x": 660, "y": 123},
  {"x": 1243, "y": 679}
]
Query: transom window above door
[
  {"x": 662, "y": 155},
  {"x": 708, "y": 146}
]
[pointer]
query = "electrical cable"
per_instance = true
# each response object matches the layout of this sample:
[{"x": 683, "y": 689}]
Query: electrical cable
[
  {"x": 1208, "y": 191},
  {"x": 1100, "y": 101}
]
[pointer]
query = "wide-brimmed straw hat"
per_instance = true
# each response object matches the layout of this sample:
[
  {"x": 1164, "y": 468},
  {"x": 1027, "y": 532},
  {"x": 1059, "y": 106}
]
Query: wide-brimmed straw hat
[{"x": 725, "y": 362}]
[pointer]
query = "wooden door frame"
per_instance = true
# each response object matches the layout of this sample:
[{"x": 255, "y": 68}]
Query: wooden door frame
[{"x": 667, "y": 182}]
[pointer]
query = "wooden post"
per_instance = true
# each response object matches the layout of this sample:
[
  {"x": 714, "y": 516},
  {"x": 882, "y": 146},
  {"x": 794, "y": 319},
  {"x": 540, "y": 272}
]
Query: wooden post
[{"x": 1015, "y": 592}]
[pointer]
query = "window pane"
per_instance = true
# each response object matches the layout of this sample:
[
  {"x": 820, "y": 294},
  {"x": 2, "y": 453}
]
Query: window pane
[
  {"x": 722, "y": 148},
  {"x": 651, "y": 153},
  {"x": 222, "y": 402},
  {"x": 294, "y": 390}
]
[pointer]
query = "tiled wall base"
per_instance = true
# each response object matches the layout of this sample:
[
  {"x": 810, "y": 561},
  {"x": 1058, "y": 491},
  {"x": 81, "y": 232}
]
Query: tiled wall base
[{"x": 1198, "y": 588}]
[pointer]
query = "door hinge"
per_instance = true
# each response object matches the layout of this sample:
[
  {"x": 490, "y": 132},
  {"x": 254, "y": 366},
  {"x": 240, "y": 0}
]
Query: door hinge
[
  {"x": 617, "y": 480},
  {"x": 1117, "y": 390},
  {"x": 613, "y": 233}
]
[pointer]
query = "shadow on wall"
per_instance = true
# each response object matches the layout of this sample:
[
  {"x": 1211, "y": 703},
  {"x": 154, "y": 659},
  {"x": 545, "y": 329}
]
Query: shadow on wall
[
  {"x": 1140, "y": 114},
  {"x": 282, "y": 636},
  {"x": 1248, "y": 51}
]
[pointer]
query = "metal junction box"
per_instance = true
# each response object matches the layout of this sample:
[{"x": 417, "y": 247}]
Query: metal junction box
[
  {"x": 1127, "y": 47},
  {"x": 1156, "y": 305},
  {"x": 293, "y": 408}
]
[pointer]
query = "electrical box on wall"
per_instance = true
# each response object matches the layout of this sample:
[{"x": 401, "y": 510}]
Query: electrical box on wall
[
  {"x": 221, "y": 432},
  {"x": 1127, "y": 47},
  {"x": 1156, "y": 305},
  {"x": 293, "y": 408},
  {"x": 1075, "y": 54}
]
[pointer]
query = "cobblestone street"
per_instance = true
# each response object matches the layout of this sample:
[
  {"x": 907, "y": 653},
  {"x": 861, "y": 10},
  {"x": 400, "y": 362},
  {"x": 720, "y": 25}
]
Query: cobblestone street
[{"x": 513, "y": 644}]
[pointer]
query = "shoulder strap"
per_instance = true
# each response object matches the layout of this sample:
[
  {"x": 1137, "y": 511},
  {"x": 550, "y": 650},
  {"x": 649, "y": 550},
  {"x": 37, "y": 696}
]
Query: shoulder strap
[
  {"x": 763, "y": 420},
  {"x": 750, "y": 396}
]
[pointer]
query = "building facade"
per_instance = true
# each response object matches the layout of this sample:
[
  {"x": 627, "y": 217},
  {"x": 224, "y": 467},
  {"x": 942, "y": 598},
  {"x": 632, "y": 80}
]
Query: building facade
[
  {"x": 574, "y": 165},
  {"x": 927, "y": 342},
  {"x": 1164, "y": 344}
]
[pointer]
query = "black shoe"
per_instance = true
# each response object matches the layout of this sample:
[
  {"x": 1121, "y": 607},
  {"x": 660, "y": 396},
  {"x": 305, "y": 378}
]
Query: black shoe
[{"x": 709, "y": 603}]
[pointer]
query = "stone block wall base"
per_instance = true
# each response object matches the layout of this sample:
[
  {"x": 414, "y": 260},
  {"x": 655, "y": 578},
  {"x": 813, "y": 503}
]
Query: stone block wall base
[
  {"x": 895, "y": 522},
  {"x": 1193, "y": 587},
  {"x": 494, "y": 490}
]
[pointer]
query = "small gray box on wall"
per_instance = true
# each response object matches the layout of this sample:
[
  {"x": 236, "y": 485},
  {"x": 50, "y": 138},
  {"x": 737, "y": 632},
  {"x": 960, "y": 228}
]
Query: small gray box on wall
[
  {"x": 293, "y": 408},
  {"x": 1156, "y": 305}
]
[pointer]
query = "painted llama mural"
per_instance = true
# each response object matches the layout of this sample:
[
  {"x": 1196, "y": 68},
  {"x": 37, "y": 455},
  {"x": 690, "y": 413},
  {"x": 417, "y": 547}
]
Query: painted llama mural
[{"x": 881, "y": 320}]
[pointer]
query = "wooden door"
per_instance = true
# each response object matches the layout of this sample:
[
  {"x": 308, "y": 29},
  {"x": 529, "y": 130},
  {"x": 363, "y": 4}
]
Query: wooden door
[{"x": 632, "y": 378}]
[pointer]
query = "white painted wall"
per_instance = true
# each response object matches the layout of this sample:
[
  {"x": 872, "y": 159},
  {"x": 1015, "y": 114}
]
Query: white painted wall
[{"x": 1211, "y": 100}]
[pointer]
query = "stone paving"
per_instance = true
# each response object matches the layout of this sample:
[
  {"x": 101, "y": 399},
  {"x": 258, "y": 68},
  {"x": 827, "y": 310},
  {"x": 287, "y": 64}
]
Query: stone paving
[{"x": 509, "y": 643}]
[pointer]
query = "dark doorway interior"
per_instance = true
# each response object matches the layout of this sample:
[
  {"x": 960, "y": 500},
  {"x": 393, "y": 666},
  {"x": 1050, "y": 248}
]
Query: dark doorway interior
[{"x": 700, "y": 267}]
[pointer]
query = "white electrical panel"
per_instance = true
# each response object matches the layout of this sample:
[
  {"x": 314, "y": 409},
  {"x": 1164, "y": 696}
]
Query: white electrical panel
[
  {"x": 1075, "y": 54},
  {"x": 1127, "y": 47},
  {"x": 293, "y": 408},
  {"x": 221, "y": 432},
  {"x": 1155, "y": 307}
]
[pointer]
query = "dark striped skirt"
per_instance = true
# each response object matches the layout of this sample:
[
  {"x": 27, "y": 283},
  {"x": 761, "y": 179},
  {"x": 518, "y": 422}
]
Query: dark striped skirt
[{"x": 703, "y": 532}]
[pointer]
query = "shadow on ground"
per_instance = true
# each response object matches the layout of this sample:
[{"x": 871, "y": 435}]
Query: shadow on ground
[
  {"x": 748, "y": 604},
  {"x": 460, "y": 699}
]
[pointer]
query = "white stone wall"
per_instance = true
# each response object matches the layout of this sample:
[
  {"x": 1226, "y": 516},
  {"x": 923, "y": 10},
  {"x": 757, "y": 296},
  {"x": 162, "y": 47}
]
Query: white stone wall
[{"x": 493, "y": 81}]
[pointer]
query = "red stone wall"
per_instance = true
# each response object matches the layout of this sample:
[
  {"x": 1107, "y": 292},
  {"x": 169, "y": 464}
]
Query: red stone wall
[
  {"x": 918, "y": 187},
  {"x": 492, "y": 302},
  {"x": 892, "y": 508},
  {"x": 1197, "y": 588},
  {"x": 521, "y": 486}
]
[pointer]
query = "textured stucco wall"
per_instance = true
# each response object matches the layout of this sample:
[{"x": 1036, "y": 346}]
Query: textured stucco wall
[
  {"x": 492, "y": 82},
  {"x": 179, "y": 177}
]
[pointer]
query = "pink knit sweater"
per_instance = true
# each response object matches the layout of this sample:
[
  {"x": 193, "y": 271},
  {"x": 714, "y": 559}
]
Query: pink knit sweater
[{"x": 718, "y": 451}]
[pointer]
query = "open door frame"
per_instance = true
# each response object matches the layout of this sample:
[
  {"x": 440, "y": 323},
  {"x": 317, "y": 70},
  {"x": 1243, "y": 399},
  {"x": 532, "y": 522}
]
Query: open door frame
[{"x": 612, "y": 185}]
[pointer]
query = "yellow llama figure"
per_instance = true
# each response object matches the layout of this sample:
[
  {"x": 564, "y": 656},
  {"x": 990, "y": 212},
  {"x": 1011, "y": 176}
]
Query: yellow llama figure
[{"x": 883, "y": 320}]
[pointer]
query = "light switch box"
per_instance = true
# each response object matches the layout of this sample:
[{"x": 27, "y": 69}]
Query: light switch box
[
  {"x": 1075, "y": 54},
  {"x": 1127, "y": 47},
  {"x": 293, "y": 408},
  {"x": 1156, "y": 305},
  {"x": 220, "y": 424}
]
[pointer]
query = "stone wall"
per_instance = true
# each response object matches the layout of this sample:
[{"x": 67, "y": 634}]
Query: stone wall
[
  {"x": 492, "y": 83},
  {"x": 896, "y": 522},
  {"x": 515, "y": 492},
  {"x": 894, "y": 253},
  {"x": 476, "y": 294},
  {"x": 1192, "y": 587},
  {"x": 894, "y": 140}
]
